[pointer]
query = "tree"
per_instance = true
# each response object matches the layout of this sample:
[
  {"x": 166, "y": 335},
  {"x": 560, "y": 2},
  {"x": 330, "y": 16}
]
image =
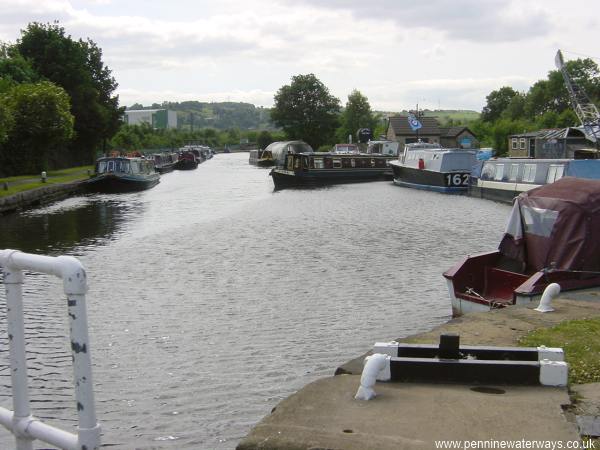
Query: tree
[
  {"x": 77, "y": 67},
  {"x": 497, "y": 101},
  {"x": 306, "y": 110},
  {"x": 43, "y": 125},
  {"x": 264, "y": 139},
  {"x": 14, "y": 68},
  {"x": 357, "y": 115}
]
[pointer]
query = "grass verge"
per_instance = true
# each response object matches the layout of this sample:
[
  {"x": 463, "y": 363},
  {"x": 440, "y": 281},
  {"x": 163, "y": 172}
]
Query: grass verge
[
  {"x": 28, "y": 182},
  {"x": 580, "y": 340}
]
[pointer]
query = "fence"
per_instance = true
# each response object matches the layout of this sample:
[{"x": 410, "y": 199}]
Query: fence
[{"x": 20, "y": 422}]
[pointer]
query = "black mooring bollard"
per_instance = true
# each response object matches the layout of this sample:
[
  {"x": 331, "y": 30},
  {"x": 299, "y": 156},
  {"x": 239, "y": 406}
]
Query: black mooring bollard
[{"x": 449, "y": 346}]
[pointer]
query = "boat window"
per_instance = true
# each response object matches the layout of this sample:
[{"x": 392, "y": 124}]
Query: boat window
[
  {"x": 488, "y": 171},
  {"x": 135, "y": 167},
  {"x": 352, "y": 162},
  {"x": 319, "y": 163},
  {"x": 110, "y": 167},
  {"x": 538, "y": 221},
  {"x": 305, "y": 162},
  {"x": 101, "y": 168},
  {"x": 499, "y": 172},
  {"x": 555, "y": 172},
  {"x": 514, "y": 171},
  {"x": 529, "y": 173},
  {"x": 337, "y": 163}
]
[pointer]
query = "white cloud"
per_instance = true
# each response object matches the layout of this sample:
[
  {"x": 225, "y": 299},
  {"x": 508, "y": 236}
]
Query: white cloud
[{"x": 459, "y": 51}]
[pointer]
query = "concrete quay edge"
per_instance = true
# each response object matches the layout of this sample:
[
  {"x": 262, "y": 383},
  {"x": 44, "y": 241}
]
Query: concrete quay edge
[{"x": 325, "y": 415}]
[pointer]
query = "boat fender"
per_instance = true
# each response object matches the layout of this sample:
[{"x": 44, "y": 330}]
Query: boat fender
[
  {"x": 374, "y": 365},
  {"x": 550, "y": 293},
  {"x": 421, "y": 164}
]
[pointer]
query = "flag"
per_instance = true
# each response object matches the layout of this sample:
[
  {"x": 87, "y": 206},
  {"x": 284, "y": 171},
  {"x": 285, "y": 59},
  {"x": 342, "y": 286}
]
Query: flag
[{"x": 414, "y": 122}]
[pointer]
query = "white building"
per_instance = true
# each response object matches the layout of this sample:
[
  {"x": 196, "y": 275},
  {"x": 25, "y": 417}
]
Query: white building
[{"x": 158, "y": 118}]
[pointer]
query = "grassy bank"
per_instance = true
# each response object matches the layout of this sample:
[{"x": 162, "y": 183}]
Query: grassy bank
[
  {"x": 580, "y": 340},
  {"x": 28, "y": 182}
]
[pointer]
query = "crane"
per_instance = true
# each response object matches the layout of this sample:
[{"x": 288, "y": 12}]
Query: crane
[{"x": 586, "y": 111}]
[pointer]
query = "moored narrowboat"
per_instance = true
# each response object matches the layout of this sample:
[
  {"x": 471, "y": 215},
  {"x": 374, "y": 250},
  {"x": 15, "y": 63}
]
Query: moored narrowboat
[
  {"x": 187, "y": 161},
  {"x": 122, "y": 174},
  {"x": 316, "y": 168},
  {"x": 431, "y": 167},
  {"x": 164, "y": 162},
  {"x": 502, "y": 179}
]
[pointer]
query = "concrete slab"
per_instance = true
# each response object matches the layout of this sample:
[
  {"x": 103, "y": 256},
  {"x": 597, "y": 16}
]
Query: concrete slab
[{"x": 325, "y": 415}]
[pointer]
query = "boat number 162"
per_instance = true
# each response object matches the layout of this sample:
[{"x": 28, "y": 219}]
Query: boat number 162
[{"x": 457, "y": 179}]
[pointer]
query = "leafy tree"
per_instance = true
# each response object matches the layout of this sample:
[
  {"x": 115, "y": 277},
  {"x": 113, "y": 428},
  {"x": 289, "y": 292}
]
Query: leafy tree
[
  {"x": 497, "y": 101},
  {"x": 515, "y": 109},
  {"x": 14, "y": 68},
  {"x": 306, "y": 110},
  {"x": 264, "y": 139},
  {"x": 357, "y": 115},
  {"x": 43, "y": 124},
  {"x": 6, "y": 119},
  {"x": 77, "y": 67}
]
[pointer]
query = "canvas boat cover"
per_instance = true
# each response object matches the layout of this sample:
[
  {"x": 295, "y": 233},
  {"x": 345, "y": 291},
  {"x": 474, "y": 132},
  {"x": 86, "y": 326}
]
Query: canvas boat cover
[
  {"x": 556, "y": 226},
  {"x": 279, "y": 150}
]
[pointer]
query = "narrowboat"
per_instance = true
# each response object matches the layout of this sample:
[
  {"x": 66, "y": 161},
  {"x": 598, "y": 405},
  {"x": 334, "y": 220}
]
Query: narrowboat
[
  {"x": 308, "y": 168},
  {"x": 431, "y": 167},
  {"x": 261, "y": 158},
  {"x": 187, "y": 161},
  {"x": 552, "y": 236},
  {"x": 502, "y": 179},
  {"x": 122, "y": 174},
  {"x": 164, "y": 162}
]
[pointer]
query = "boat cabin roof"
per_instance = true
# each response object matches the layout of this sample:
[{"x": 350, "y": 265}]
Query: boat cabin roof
[{"x": 556, "y": 226}]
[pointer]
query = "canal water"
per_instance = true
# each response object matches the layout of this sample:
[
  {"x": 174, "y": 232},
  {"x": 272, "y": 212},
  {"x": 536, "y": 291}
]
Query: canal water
[{"x": 212, "y": 297}]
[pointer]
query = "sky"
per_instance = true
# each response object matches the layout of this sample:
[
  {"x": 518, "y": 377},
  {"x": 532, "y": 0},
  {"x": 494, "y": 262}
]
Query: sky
[{"x": 398, "y": 53}]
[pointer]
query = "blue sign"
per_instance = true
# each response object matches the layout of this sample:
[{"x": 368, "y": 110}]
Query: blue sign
[{"x": 414, "y": 122}]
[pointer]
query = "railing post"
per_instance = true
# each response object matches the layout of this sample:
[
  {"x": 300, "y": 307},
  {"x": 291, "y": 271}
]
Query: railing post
[
  {"x": 25, "y": 427},
  {"x": 75, "y": 284},
  {"x": 13, "y": 280}
]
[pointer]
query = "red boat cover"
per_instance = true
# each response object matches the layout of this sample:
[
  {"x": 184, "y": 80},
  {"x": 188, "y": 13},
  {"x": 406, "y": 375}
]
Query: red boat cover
[{"x": 556, "y": 226}]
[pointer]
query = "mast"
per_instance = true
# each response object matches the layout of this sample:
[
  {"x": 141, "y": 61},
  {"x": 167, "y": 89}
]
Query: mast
[{"x": 586, "y": 111}]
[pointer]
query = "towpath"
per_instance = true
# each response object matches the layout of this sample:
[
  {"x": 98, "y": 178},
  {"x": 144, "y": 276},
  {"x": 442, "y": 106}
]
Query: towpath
[{"x": 325, "y": 415}]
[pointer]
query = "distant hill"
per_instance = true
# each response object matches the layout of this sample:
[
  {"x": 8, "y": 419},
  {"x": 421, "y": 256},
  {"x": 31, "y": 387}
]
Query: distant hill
[
  {"x": 246, "y": 116},
  {"x": 450, "y": 115},
  {"x": 219, "y": 115}
]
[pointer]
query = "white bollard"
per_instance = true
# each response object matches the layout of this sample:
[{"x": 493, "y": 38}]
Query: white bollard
[
  {"x": 550, "y": 293},
  {"x": 374, "y": 364}
]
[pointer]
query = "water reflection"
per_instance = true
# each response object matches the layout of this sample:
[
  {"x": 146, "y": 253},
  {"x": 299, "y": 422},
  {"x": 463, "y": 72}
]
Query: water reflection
[{"x": 80, "y": 221}]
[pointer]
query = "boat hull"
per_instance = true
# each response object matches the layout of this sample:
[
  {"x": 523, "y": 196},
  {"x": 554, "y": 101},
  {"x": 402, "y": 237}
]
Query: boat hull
[
  {"x": 484, "y": 282},
  {"x": 186, "y": 164},
  {"x": 165, "y": 168},
  {"x": 114, "y": 183},
  {"x": 311, "y": 178},
  {"x": 447, "y": 182}
]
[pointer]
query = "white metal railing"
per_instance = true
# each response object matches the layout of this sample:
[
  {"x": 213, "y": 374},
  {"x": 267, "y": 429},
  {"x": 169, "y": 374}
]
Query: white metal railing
[{"x": 20, "y": 422}]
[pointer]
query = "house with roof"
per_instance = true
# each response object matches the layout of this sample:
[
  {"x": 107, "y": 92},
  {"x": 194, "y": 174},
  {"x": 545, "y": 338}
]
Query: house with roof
[
  {"x": 452, "y": 137},
  {"x": 570, "y": 142},
  {"x": 458, "y": 137}
]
